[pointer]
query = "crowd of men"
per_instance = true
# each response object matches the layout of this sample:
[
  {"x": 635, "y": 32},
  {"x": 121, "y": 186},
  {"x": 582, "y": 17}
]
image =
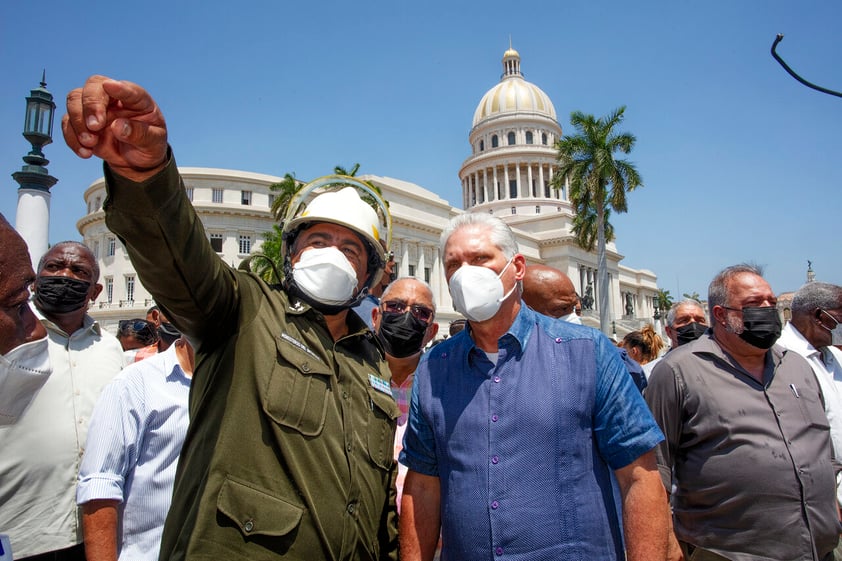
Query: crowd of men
[{"x": 246, "y": 421}]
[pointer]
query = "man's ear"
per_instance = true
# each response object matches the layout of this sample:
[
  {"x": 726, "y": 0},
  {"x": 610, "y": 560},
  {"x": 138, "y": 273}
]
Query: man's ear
[
  {"x": 432, "y": 331},
  {"x": 519, "y": 261},
  {"x": 375, "y": 317},
  {"x": 95, "y": 290},
  {"x": 718, "y": 314}
]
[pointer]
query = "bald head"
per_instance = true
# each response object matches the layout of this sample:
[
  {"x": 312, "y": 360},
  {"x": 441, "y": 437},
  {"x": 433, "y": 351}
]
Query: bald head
[
  {"x": 18, "y": 324},
  {"x": 548, "y": 291}
]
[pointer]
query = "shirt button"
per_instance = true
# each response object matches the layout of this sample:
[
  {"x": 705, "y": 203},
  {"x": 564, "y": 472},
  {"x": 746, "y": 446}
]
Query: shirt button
[
  {"x": 494, "y": 418},
  {"x": 494, "y": 459},
  {"x": 348, "y": 447},
  {"x": 248, "y": 526},
  {"x": 352, "y": 508},
  {"x": 496, "y": 379},
  {"x": 305, "y": 367},
  {"x": 499, "y": 551},
  {"x": 494, "y": 505},
  {"x": 344, "y": 395}
]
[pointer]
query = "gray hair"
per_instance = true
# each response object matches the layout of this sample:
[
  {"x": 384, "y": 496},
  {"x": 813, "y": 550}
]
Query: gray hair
[
  {"x": 718, "y": 288},
  {"x": 816, "y": 295},
  {"x": 425, "y": 284},
  {"x": 500, "y": 233},
  {"x": 674, "y": 309}
]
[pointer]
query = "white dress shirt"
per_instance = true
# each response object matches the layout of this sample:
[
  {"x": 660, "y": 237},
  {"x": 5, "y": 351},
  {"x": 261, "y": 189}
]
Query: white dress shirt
[
  {"x": 134, "y": 441},
  {"x": 828, "y": 369},
  {"x": 40, "y": 453}
]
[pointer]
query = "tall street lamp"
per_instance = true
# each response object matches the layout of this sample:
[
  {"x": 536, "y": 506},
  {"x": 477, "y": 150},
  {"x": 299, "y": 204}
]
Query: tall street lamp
[{"x": 33, "y": 213}]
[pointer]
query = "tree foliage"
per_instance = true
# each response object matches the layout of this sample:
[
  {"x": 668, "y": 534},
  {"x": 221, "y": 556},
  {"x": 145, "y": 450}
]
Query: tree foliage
[{"x": 598, "y": 185}]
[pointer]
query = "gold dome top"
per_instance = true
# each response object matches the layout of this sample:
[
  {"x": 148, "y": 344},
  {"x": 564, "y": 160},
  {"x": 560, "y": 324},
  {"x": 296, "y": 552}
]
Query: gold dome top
[{"x": 513, "y": 94}]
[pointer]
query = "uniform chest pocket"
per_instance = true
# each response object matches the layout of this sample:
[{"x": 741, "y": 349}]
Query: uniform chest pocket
[
  {"x": 296, "y": 393},
  {"x": 381, "y": 428}
]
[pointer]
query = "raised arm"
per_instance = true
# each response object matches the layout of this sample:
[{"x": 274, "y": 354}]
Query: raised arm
[
  {"x": 118, "y": 122},
  {"x": 147, "y": 208}
]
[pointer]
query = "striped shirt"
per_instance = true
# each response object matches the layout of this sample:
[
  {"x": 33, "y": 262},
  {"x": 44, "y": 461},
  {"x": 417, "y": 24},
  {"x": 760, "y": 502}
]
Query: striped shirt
[{"x": 134, "y": 441}]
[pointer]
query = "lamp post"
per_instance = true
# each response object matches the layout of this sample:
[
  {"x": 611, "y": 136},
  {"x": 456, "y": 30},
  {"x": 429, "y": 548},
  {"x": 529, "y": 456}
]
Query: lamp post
[{"x": 33, "y": 213}]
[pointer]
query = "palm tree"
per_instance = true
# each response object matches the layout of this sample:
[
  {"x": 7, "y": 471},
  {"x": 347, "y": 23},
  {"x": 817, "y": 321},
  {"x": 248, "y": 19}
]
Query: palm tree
[
  {"x": 598, "y": 185},
  {"x": 664, "y": 300},
  {"x": 339, "y": 170},
  {"x": 286, "y": 189},
  {"x": 693, "y": 296}
]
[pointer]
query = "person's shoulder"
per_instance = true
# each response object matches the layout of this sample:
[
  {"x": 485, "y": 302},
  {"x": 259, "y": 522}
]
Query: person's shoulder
[{"x": 558, "y": 328}]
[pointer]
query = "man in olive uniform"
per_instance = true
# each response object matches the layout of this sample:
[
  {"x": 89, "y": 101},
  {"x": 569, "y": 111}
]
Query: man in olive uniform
[{"x": 289, "y": 450}]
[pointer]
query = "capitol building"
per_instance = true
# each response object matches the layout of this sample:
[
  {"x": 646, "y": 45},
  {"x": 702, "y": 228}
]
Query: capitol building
[{"x": 506, "y": 173}]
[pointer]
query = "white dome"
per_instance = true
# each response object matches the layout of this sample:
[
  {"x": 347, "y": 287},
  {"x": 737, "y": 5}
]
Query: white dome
[{"x": 513, "y": 94}]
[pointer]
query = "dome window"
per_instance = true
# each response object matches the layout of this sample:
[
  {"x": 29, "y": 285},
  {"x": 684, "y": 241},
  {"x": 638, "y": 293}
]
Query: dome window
[
  {"x": 494, "y": 142},
  {"x": 529, "y": 137},
  {"x": 544, "y": 138},
  {"x": 511, "y": 138},
  {"x": 481, "y": 145}
]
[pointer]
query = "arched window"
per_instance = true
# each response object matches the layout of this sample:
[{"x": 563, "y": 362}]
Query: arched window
[
  {"x": 481, "y": 145},
  {"x": 543, "y": 138},
  {"x": 529, "y": 137},
  {"x": 494, "y": 141},
  {"x": 511, "y": 138}
]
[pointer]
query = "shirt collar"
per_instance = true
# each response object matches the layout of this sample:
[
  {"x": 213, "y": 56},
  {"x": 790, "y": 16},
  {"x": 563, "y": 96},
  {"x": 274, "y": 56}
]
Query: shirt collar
[
  {"x": 88, "y": 324},
  {"x": 172, "y": 366},
  {"x": 792, "y": 339}
]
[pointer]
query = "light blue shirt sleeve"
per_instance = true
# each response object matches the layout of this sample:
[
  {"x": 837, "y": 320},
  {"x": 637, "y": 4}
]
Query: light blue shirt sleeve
[{"x": 113, "y": 441}]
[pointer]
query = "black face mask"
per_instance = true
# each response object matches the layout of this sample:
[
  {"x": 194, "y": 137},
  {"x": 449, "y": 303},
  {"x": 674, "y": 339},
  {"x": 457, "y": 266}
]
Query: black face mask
[
  {"x": 60, "y": 295},
  {"x": 689, "y": 333},
  {"x": 761, "y": 326},
  {"x": 401, "y": 334}
]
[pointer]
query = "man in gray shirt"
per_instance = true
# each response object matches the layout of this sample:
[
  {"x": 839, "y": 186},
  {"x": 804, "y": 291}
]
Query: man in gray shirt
[{"x": 747, "y": 450}]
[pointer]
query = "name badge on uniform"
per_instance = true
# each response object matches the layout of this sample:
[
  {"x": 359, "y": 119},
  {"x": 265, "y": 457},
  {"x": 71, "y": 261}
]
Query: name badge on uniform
[{"x": 379, "y": 384}]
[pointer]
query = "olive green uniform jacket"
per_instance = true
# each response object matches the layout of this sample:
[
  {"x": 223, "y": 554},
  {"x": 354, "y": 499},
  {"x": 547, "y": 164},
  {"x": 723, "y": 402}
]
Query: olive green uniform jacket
[{"x": 289, "y": 450}]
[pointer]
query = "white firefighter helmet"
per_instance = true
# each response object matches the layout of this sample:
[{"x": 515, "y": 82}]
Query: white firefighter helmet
[{"x": 339, "y": 201}]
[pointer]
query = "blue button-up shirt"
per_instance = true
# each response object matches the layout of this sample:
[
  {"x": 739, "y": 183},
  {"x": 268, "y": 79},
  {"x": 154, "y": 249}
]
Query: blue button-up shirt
[
  {"x": 524, "y": 449},
  {"x": 135, "y": 438}
]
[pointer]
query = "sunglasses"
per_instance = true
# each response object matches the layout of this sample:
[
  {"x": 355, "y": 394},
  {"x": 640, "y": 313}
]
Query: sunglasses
[
  {"x": 421, "y": 313},
  {"x": 141, "y": 328}
]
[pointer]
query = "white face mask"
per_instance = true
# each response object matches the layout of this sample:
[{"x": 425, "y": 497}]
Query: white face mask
[
  {"x": 325, "y": 275},
  {"x": 477, "y": 292},
  {"x": 836, "y": 332},
  {"x": 571, "y": 318},
  {"x": 23, "y": 371}
]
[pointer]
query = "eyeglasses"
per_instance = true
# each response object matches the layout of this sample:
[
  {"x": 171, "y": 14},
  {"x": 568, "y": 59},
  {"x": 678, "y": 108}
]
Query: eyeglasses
[
  {"x": 142, "y": 329},
  {"x": 421, "y": 313}
]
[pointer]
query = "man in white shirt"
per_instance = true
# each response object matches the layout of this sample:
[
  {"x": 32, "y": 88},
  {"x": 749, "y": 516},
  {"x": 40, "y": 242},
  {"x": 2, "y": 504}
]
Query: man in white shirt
[
  {"x": 816, "y": 326},
  {"x": 42, "y": 449},
  {"x": 134, "y": 441}
]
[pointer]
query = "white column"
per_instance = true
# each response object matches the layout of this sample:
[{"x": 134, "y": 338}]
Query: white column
[
  {"x": 521, "y": 194},
  {"x": 529, "y": 180},
  {"x": 506, "y": 192},
  {"x": 485, "y": 183},
  {"x": 541, "y": 179},
  {"x": 496, "y": 185},
  {"x": 32, "y": 221}
]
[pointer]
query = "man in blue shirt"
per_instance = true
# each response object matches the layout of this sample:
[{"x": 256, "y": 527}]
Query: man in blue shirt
[
  {"x": 128, "y": 470},
  {"x": 517, "y": 423}
]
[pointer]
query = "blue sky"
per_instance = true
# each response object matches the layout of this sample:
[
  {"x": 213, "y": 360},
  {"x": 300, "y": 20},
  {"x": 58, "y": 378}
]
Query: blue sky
[{"x": 739, "y": 161}]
